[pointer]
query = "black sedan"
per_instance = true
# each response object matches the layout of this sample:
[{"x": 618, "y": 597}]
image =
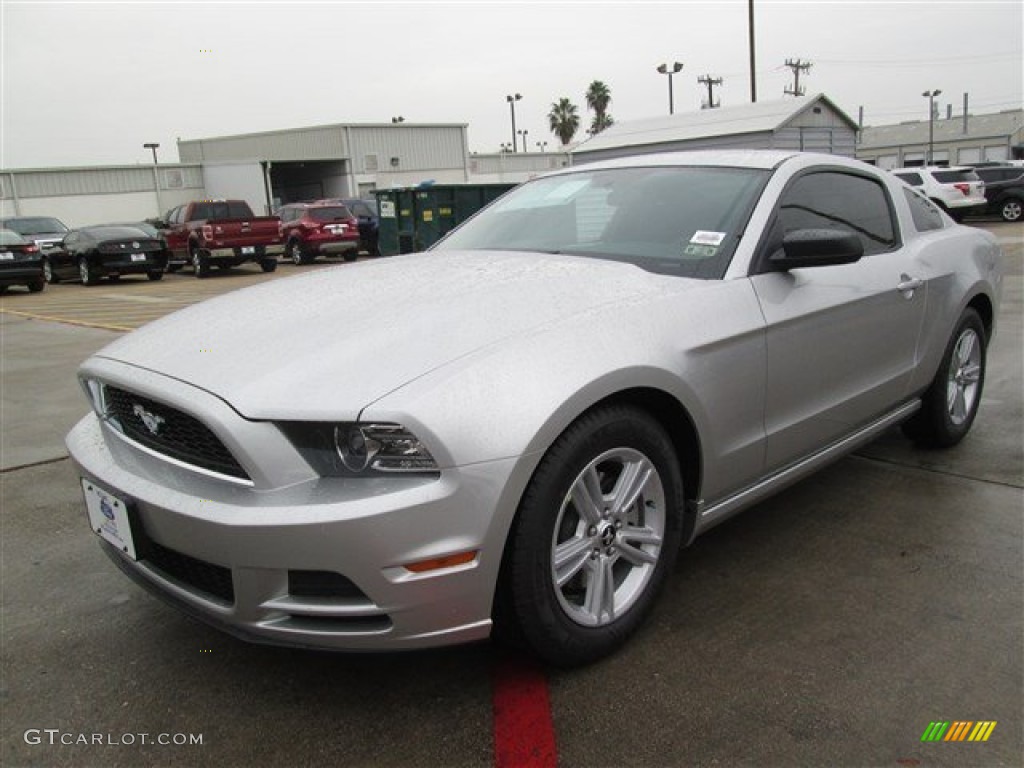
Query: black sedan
[
  {"x": 110, "y": 250},
  {"x": 20, "y": 262}
]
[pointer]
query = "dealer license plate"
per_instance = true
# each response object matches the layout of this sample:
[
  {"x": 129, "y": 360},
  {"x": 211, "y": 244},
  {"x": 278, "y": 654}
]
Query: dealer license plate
[
  {"x": 6, "y": 256},
  {"x": 108, "y": 517},
  {"x": 138, "y": 257},
  {"x": 248, "y": 249}
]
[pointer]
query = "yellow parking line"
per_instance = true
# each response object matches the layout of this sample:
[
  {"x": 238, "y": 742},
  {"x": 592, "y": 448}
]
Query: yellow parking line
[{"x": 67, "y": 321}]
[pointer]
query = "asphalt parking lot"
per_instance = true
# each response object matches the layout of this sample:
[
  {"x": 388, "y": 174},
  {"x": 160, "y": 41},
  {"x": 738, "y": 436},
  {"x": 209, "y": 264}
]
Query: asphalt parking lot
[{"x": 828, "y": 626}]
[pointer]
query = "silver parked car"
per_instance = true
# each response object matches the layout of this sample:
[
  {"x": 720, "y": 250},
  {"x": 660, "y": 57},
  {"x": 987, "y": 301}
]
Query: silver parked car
[{"x": 521, "y": 427}]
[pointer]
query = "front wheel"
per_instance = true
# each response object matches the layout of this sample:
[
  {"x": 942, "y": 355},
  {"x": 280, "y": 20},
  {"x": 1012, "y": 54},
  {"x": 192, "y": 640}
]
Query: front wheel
[
  {"x": 86, "y": 272},
  {"x": 1010, "y": 210},
  {"x": 200, "y": 262},
  {"x": 49, "y": 273},
  {"x": 297, "y": 253},
  {"x": 951, "y": 402},
  {"x": 596, "y": 534}
]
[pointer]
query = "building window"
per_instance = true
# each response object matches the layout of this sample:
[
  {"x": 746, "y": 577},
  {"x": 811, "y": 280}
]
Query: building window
[
  {"x": 370, "y": 163},
  {"x": 969, "y": 156},
  {"x": 997, "y": 153}
]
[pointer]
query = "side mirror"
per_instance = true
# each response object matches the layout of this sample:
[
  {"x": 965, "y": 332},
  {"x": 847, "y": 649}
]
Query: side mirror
[{"x": 817, "y": 248}]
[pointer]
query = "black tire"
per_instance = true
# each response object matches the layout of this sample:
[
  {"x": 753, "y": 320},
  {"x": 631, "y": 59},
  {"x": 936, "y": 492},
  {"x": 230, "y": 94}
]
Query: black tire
[
  {"x": 49, "y": 273},
  {"x": 113, "y": 278},
  {"x": 155, "y": 276},
  {"x": 559, "y": 623},
  {"x": 950, "y": 404},
  {"x": 297, "y": 253},
  {"x": 350, "y": 255},
  {"x": 200, "y": 262},
  {"x": 35, "y": 286},
  {"x": 172, "y": 267},
  {"x": 1011, "y": 209},
  {"x": 268, "y": 265},
  {"x": 87, "y": 273}
]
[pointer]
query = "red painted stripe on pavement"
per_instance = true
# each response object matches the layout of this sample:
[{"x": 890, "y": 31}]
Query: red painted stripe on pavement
[{"x": 524, "y": 736}]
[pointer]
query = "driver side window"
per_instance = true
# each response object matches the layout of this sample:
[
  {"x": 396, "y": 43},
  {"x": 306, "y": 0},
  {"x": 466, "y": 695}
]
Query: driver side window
[{"x": 839, "y": 201}]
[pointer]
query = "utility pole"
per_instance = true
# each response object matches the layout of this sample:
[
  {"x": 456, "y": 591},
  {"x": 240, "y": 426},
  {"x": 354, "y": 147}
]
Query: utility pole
[
  {"x": 750, "y": 34},
  {"x": 797, "y": 66},
  {"x": 710, "y": 82}
]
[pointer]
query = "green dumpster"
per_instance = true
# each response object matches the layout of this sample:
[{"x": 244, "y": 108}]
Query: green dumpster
[{"x": 414, "y": 218}]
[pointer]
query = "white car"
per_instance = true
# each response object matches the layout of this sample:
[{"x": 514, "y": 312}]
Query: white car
[
  {"x": 958, "y": 191},
  {"x": 521, "y": 427}
]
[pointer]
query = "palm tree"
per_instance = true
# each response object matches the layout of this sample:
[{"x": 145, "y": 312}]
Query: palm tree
[
  {"x": 599, "y": 96},
  {"x": 599, "y": 123},
  {"x": 564, "y": 120}
]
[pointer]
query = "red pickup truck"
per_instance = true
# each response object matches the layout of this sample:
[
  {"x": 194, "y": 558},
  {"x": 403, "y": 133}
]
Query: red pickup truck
[{"x": 224, "y": 233}]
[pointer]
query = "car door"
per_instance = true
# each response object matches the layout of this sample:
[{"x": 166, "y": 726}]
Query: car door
[
  {"x": 176, "y": 236},
  {"x": 840, "y": 340}
]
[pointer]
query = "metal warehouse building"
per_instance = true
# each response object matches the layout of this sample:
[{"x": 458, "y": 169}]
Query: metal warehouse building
[
  {"x": 277, "y": 167},
  {"x": 962, "y": 140},
  {"x": 809, "y": 123}
]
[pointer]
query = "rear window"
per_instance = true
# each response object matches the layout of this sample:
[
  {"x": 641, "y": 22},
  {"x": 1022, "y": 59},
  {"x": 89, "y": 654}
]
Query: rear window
[
  {"x": 952, "y": 177},
  {"x": 10, "y": 237},
  {"x": 238, "y": 209},
  {"x": 116, "y": 233},
  {"x": 36, "y": 225},
  {"x": 333, "y": 213}
]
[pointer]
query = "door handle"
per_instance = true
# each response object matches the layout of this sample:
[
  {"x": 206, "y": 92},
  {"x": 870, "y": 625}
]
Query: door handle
[{"x": 907, "y": 285}]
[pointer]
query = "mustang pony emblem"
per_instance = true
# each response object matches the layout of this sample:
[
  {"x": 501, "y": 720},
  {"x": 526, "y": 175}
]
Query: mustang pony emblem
[{"x": 151, "y": 420}]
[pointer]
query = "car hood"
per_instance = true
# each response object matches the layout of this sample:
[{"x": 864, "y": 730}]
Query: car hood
[{"x": 327, "y": 343}]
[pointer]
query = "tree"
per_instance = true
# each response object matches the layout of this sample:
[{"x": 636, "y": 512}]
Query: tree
[
  {"x": 564, "y": 120},
  {"x": 599, "y": 96}
]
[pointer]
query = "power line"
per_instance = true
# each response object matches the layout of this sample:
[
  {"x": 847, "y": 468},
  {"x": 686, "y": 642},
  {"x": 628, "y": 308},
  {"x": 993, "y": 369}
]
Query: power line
[{"x": 797, "y": 66}]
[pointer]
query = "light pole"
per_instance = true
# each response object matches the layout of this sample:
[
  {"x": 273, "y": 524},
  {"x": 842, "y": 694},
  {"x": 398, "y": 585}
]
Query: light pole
[
  {"x": 676, "y": 68},
  {"x": 398, "y": 119},
  {"x": 542, "y": 146},
  {"x": 930, "y": 95},
  {"x": 512, "y": 105},
  {"x": 523, "y": 134},
  {"x": 156, "y": 177}
]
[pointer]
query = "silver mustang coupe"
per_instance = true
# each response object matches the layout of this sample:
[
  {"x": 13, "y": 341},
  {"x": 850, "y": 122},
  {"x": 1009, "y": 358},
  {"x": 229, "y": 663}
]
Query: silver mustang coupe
[{"x": 518, "y": 429}]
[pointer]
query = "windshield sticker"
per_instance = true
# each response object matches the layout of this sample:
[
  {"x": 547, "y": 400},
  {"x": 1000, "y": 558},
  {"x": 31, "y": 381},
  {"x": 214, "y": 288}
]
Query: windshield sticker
[
  {"x": 700, "y": 251},
  {"x": 700, "y": 237}
]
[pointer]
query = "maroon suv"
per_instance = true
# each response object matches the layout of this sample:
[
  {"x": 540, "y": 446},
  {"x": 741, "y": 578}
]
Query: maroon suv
[{"x": 311, "y": 229}]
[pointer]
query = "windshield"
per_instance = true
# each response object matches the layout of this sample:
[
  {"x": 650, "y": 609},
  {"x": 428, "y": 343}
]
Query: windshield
[
  {"x": 676, "y": 220},
  {"x": 36, "y": 225},
  {"x": 116, "y": 232}
]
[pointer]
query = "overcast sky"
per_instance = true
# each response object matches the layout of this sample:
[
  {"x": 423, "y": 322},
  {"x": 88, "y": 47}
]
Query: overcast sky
[{"x": 89, "y": 83}]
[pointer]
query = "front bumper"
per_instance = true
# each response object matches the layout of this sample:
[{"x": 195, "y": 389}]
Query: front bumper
[{"x": 244, "y": 557}]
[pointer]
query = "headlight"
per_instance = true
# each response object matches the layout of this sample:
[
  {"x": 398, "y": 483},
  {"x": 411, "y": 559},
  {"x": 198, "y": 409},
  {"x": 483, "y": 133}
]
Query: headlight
[{"x": 351, "y": 449}]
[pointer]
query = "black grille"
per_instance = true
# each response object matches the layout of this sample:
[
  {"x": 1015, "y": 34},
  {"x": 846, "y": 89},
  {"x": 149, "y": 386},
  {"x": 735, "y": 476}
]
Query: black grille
[
  {"x": 176, "y": 434},
  {"x": 205, "y": 577}
]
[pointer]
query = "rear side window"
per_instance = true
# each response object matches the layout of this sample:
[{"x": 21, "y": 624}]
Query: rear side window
[
  {"x": 914, "y": 179},
  {"x": 840, "y": 201},
  {"x": 926, "y": 216}
]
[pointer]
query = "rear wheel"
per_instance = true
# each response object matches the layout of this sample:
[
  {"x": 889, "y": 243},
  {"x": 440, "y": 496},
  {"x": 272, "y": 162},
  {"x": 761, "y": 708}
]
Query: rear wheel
[
  {"x": 268, "y": 265},
  {"x": 200, "y": 262},
  {"x": 595, "y": 536},
  {"x": 297, "y": 253},
  {"x": 49, "y": 274},
  {"x": 951, "y": 402},
  {"x": 1010, "y": 209},
  {"x": 86, "y": 272}
]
